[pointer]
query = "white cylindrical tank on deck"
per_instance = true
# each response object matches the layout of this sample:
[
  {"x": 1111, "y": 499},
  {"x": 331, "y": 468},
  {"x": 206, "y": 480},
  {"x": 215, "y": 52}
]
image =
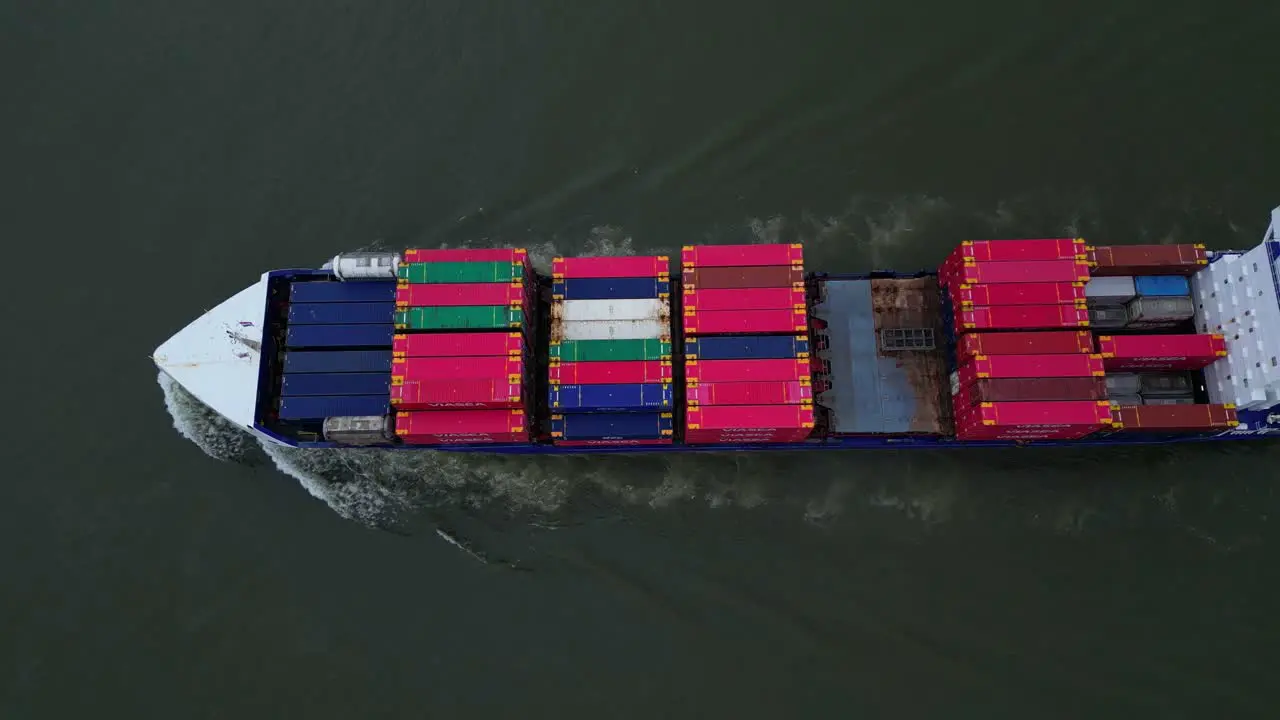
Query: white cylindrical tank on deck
[{"x": 365, "y": 265}]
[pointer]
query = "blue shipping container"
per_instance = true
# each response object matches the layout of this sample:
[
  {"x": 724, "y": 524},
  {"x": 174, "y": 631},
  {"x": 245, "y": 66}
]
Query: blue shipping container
[
  {"x": 337, "y": 361},
  {"x": 612, "y": 426},
  {"x": 333, "y": 291},
  {"x": 336, "y": 384},
  {"x": 298, "y": 336},
  {"x": 1162, "y": 285},
  {"x": 323, "y": 406},
  {"x": 611, "y": 398},
  {"x": 746, "y": 347},
  {"x": 365, "y": 313},
  {"x": 611, "y": 289}
]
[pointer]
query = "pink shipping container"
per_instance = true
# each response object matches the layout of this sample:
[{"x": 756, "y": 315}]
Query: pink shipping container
[
  {"x": 461, "y": 294},
  {"x": 1062, "y": 432},
  {"x": 984, "y": 273},
  {"x": 749, "y": 418},
  {"x": 1023, "y": 343},
  {"x": 448, "y": 393},
  {"x": 466, "y": 439},
  {"x": 613, "y": 443},
  {"x": 692, "y": 256},
  {"x": 748, "y": 393},
  {"x": 1152, "y": 352},
  {"x": 624, "y": 372},
  {"x": 1019, "y": 250},
  {"x": 466, "y": 344},
  {"x": 746, "y": 299},
  {"x": 1007, "y": 415},
  {"x": 570, "y": 268},
  {"x": 715, "y": 437},
  {"x": 729, "y": 371},
  {"x": 461, "y": 422},
  {"x": 1018, "y": 294},
  {"x": 729, "y": 322},
  {"x": 1021, "y": 317},
  {"x": 465, "y": 255},
  {"x": 1030, "y": 366},
  {"x": 493, "y": 367}
]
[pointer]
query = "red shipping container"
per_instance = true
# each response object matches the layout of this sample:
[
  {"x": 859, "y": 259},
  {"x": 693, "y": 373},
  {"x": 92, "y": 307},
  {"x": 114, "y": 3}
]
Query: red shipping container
[
  {"x": 744, "y": 299},
  {"x": 728, "y": 371},
  {"x": 1019, "y": 250},
  {"x": 445, "y": 393},
  {"x": 493, "y": 367},
  {"x": 1029, "y": 390},
  {"x": 570, "y": 268},
  {"x": 1047, "y": 342},
  {"x": 463, "y": 344},
  {"x": 731, "y": 322},
  {"x": 1018, "y": 294},
  {"x": 613, "y": 443},
  {"x": 1151, "y": 352},
  {"x": 748, "y": 393},
  {"x": 1031, "y": 414},
  {"x": 1021, "y": 317},
  {"x": 748, "y": 418},
  {"x": 461, "y": 422},
  {"x": 712, "y": 437},
  {"x": 461, "y": 294},
  {"x": 985, "y": 273},
  {"x": 1064, "y": 432},
  {"x": 514, "y": 255},
  {"x": 1175, "y": 418},
  {"x": 466, "y": 439},
  {"x": 1030, "y": 366},
  {"x": 757, "y": 276},
  {"x": 610, "y": 372},
  {"x": 1111, "y": 260},
  {"x": 741, "y": 255}
]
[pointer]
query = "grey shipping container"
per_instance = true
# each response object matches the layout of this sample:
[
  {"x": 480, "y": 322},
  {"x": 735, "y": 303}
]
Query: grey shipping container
[
  {"x": 1126, "y": 400},
  {"x": 1161, "y": 309},
  {"x": 1124, "y": 384},
  {"x": 1160, "y": 384},
  {"x": 1110, "y": 290},
  {"x": 1187, "y": 400},
  {"x": 1108, "y": 317}
]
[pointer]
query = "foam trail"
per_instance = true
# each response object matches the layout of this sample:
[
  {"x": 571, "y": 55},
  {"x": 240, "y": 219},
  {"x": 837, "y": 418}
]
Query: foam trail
[{"x": 213, "y": 434}]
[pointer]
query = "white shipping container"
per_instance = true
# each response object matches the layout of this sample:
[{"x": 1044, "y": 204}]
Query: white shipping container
[
  {"x": 658, "y": 309},
  {"x": 1161, "y": 309},
  {"x": 1120, "y": 289},
  {"x": 612, "y": 330}
]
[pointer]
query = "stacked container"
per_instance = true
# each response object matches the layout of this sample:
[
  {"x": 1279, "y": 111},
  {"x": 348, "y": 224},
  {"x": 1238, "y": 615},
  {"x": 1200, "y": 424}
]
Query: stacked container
[
  {"x": 747, "y": 368},
  {"x": 1024, "y": 371},
  {"x": 461, "y": 350},
  {"x": 609, "y": 371},
  {"x": 1141, "y": 287}
]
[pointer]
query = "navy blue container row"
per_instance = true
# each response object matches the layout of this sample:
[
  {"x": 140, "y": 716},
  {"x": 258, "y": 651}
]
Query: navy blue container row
[
  {"x": 611, "y": 398},
  {"x": 361, "y": 313},
  {"x": 337, "y": 361},
  {"x": 334, "y": 291},
  {"x": 610, "y": 289},
  {"x": 302, "y": 336},
  {"x": 746, "y": 347},
  {"x": 336, "y": 384},
  {"x": 323, "y": 406},
  {"x": 612, "y": 426}
]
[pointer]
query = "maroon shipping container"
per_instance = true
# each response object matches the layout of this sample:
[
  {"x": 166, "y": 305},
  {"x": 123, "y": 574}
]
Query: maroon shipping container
[
  {"x": 446, "y": 393},
  {"x": 741, "y": 255},
  {"x": 416, "y": 255},
  {"x": 613, "y": 443},
  {"x": 1019, "y": 250},
  {"x": 744, "y": 322},
  {"x": 1031, "y": 390},
  {"x": 1111, "y": 260},
  {"x": 1045, "y": 342},
  {"x": 748, "y": 393},
  {"x": 1174, "y": 418},
  {"x": 460, "y": 422},
  {"x": 492, "y": 367},
  {"x": 462, "y": 344},
  {"x": 1037, "y": 293},
  {"x": 744, "y": 299},
  {"x": 728, "y": 371},
  {"x": 466, "y": 439},
  {"x": 728, "y": 278},
  {"x": 571, "y": 268},
  {"x": 1021, "y": 317}
]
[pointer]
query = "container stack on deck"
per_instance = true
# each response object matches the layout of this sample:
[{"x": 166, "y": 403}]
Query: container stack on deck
[
  {"x": 609, "y": 370},
  {"x": 462, "y": 349},
  {"x": 746, "y": 345},
  {"x": 1025, "y": 369}
]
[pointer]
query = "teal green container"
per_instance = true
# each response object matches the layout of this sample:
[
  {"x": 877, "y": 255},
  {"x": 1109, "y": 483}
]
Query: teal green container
[
  {"x": 460, "y": 272},
  {"x": 611, "y": 350},
  {"x": 470, "y": 317}
]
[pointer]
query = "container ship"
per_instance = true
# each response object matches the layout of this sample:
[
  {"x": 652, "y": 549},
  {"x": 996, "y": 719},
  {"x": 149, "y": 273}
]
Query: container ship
[{"x": 1008, "y": 342}]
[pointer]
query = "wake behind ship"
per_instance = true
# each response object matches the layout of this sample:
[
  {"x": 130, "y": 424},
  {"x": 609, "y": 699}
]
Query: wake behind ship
[{"x": 739, "y": 347}]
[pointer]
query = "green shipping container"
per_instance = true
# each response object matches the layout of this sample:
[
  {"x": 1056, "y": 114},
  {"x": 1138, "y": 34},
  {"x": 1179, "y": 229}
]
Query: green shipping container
[
  {"x": 467, "y": 317},
  {"x": 460, "y": 272},
  {"x": 615, "y": 350}
]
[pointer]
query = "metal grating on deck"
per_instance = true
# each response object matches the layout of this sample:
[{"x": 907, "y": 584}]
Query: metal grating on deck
[{"x": 899, "y": 339}]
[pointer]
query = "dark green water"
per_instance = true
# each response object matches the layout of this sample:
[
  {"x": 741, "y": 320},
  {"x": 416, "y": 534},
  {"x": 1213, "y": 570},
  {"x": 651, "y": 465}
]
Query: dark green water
[{"x": 159, "y": 155}]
